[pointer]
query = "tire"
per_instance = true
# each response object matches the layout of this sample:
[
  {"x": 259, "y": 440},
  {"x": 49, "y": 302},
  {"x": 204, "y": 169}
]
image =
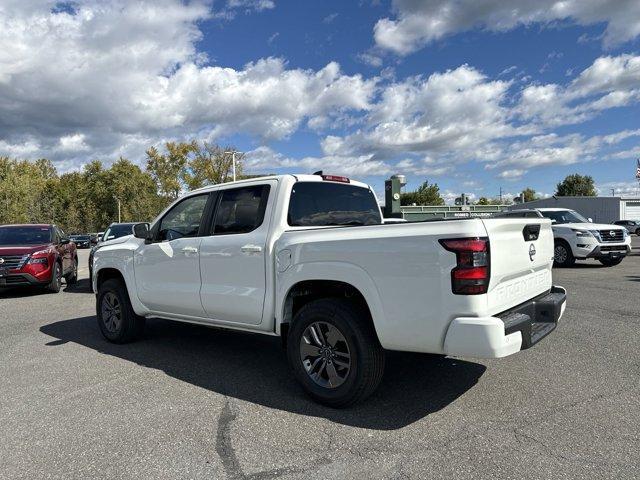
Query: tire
[
  {"x": 56, "y": 279},
  {"x": 638, "y": 232},
  {"x": 562, "y": 255},
  {"x": 116, "y": 318},
  {"x": 72, "y": 278},
  {"x": 330, "y": 328},
  {"x": 610, "y": 262}
]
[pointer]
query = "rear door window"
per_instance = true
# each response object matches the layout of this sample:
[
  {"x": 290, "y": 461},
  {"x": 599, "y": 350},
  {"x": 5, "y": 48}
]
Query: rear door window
[
  {"x": 241, "y": 210},
  {"x": 317, "y": 204}
]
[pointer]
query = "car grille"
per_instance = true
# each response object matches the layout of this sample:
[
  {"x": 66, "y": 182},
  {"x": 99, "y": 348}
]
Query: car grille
[
  {"x": 618, "y": 235},
  {"x": 13, "y": 262}
]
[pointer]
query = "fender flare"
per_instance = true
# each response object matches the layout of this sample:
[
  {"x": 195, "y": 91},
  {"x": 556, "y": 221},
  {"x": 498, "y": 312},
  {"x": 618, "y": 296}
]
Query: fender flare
[{"x": 343, "y": 272}]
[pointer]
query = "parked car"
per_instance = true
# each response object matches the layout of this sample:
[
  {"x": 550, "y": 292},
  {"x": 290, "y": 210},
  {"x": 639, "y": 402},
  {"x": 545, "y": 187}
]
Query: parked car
[
  {"x": 81, "y": 241},
  {"x": 307, "y": 258},
  {"x": 37, "y": 256},
  {"x": 115, "y": 230},
  {"x": 578, "y": 238},
  {"x": 632, "y": 226}
]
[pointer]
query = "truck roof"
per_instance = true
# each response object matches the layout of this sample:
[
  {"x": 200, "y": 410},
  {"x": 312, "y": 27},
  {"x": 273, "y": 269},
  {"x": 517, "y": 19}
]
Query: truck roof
[
  {"x": 552, "y": 209},
  {"x": 305, "y": 177}
]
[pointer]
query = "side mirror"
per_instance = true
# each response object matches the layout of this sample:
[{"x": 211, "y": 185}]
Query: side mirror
[
  {"x": 141, "y": 230},
  {"x": 553, "y": 220},
  {"x": 590, "y": 220}
]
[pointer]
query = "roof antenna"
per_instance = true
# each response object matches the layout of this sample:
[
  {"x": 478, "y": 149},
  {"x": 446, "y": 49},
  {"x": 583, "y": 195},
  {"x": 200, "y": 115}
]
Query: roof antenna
[{"x": 319, "y": 172}]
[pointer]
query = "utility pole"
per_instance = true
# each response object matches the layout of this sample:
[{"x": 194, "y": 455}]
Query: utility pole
[
  {"x": 233, "y": 162},
  {"x": 500, "y": 195},
  {"x": 613, "y": 192}
]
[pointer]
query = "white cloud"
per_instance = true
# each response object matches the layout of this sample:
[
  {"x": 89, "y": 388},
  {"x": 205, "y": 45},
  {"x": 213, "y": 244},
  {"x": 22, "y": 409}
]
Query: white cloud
[
  {"x": 514, "y": 174},
  {"x": 625, "y": 189},
  {"x": 452, "y": 112},
  {"x": 73, "y": 143},
  {"x": 265, "y": 160},
  {"x": 418, "y": 23},
  {"x": 127, "y": 70}
]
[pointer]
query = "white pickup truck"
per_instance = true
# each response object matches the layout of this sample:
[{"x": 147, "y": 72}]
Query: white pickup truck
[{"x": 308, "y": 258}]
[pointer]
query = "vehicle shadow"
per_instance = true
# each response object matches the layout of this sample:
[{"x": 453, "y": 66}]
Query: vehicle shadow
[
  {"x": 633, "y": 278},
  {"x": 19, "y": 292},
  {"x": 81, "y": 286},
  {"x": 253, "y": 368}
]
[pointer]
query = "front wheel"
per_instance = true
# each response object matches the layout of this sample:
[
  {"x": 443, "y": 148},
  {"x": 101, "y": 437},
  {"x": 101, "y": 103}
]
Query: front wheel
[
  {"x": 562, "y": 255},
  {"x": 56, "y": 279},
  {"x": 334, "y": 352},
  {"x": 116, "y": 318},
  {"x": 610, "y": 262}
]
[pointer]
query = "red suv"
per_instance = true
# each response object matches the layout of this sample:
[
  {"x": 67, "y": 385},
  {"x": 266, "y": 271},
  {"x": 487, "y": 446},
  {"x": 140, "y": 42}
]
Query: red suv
[{"x": 36, "y": 255}]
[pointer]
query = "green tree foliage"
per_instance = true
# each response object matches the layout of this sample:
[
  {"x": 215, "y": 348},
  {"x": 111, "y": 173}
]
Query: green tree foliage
[
  {"x": 87, "y": 200},
  {"x": 211, "y": 164},
  {"x": 576, "y": 185},
  {"x": 529, "y": 194},
  {"x": 483, "y": 201},
  {"x": 425, "y": 195},
  {"x": 167, "y": 169}
]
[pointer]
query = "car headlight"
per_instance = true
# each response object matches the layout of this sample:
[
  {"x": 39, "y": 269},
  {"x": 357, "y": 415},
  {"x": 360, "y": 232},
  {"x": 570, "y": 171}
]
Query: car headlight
[{"x": 583, "y": 233}]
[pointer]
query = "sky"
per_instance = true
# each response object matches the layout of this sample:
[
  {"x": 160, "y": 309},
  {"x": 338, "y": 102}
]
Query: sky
[{"x": 474, "y": 95}]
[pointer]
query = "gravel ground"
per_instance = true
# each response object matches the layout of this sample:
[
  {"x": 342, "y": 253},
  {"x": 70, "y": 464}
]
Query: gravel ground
[{"x": 191, "y": 402}]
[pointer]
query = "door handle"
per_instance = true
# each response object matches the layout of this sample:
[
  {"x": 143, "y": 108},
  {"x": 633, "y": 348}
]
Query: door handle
[
  {"x": 188, "y": 250},
  {"x": 251, "y": 248}
]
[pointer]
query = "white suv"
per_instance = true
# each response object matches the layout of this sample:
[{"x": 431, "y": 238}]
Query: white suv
[{"x": 577, "y": 238}]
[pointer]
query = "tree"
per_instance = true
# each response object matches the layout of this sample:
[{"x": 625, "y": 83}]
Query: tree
[
  {"x": 529, "y": 194},
  {"x": 425, "y": 195},
  {"x": 167, "y": 169},
  {"x": 211, "y": 164},
  {"x": 576, "y": 185},
  {"x": 483, "y": 201}
]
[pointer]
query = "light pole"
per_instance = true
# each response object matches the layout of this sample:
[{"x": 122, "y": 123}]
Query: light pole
[{"x": 233, "y": 161}]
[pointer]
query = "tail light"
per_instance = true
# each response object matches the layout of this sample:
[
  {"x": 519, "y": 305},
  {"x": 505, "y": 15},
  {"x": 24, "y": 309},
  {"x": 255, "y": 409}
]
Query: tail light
[{"x": 471, "y": 275}]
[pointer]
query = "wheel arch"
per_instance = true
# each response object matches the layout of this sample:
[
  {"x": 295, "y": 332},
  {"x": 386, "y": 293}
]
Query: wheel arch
[{"x": 324, "y": 280}]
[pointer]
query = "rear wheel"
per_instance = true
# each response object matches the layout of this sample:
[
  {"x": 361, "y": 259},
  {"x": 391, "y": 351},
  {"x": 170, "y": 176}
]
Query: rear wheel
[
  {"x": 562, "y": 255},
  {"x": 334, "y": 352},
  {"x": 116, "y": 318},
  {"x": 610, "y": 262},
  {"x": 56, "y": 279},
  {"x": 638, "y": 232}
]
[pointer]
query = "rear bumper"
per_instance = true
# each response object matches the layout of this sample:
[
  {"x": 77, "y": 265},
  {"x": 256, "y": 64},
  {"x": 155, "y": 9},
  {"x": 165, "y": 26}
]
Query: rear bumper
[{"x": 509, "y": 332}]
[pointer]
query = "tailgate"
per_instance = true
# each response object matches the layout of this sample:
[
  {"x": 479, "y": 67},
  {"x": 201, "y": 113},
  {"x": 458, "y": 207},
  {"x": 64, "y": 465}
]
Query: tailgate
[{"x": 521, "y": 260}]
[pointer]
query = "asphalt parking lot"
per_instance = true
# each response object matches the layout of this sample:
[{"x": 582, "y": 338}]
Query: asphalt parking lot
[{"x": 192, "y": 402}]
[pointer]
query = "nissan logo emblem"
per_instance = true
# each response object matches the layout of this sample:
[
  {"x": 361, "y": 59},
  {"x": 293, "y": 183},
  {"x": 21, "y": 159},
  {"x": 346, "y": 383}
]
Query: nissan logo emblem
[
  {"x": 532, "y": 252},
  {"x": 612, "y": 233},
  {"x": 1, "y": 261}
]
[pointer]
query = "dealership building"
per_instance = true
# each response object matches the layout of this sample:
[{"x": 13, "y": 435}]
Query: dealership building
[{"x": 600, "y": 209}]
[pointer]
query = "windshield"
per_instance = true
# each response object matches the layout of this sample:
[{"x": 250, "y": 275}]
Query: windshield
[
  {"x": 117, "y": 231},
  {"x": 316, "y": 204},
  {"x": 26, "y": 235},
  {"x": 565, "y": 216}
]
